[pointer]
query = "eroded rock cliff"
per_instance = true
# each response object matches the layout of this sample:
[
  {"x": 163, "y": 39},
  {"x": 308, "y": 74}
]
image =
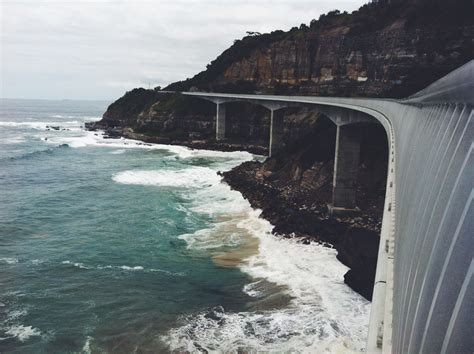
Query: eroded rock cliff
[
  {"x": 385, "y": 49},
  {"x": 390, "y": 49}
]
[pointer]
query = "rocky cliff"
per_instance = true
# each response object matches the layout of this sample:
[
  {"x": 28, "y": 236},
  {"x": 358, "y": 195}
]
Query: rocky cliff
[
  {"x": 389, "y": 49},
  {"x": 385, "y": 49}
]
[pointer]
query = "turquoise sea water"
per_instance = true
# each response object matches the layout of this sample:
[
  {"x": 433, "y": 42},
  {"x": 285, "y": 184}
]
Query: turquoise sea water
[{"x": 118, "y": 246}]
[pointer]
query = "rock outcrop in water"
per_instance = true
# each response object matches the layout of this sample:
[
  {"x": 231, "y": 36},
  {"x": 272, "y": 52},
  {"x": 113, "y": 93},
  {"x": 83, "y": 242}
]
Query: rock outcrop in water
[{"x": 385, "y": 49}]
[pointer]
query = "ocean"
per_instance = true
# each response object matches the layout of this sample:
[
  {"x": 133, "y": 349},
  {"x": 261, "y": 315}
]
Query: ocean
[{"x": 113, "y": 245}]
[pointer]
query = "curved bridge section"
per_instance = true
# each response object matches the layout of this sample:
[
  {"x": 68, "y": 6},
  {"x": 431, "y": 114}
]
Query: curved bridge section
[{"x": 424, "y": 289}]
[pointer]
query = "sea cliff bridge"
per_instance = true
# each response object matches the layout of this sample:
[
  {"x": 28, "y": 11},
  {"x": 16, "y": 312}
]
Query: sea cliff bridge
[{"x": 423, "y": 298}]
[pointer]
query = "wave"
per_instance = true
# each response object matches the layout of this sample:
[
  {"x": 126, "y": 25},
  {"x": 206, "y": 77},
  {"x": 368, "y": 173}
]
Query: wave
[
  {"x": 118, "y": 152},
  {"x": 37, "y": 261},
  {"x": 13, "y": 329},
  {"x": 69, "y": 116},
  {"x": 254, "y": 289},
  {"x": 86, "y": 349},
  {"x": 131, "y": 268},
  {"x": 204, "y": 194},
  {"x": 235, "y": 222},
  {"x": 97, "y": 138},
  {"x": 297, "y": 297},
  {"x": 76, "y": 264},
  {"x": 179, "y": 274},
  {"x": 190, "y": 177},
  {"x": 121, "y": 267},
  {"x": 13, "y": 140},
  {"x": 32, "y": 125},
  {"x": 288, "y": 330},
  {"x": 92, "y": 138},
  {"x": 16, "y": 314},
  {"x": 36, "y": 153},
  {"x": 322, "y": 315},
  {"x": 22, "y": 332},
  {"x": 231, "y": 158},
  {"x": 36, "y": 125},
  {"x": 9, "y": 260}
]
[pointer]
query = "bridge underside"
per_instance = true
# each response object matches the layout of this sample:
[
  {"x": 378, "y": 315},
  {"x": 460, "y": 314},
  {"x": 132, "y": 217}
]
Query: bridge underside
[{"x": 347, "y": 143}]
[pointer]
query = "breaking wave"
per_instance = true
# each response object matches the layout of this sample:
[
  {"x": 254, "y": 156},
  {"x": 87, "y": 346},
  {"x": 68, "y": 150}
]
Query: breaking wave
[
  {"x": 323, "y": 314},
  {"x": 9, "y": 260},
  {"x": 120, "y": 267},
  {"x": 13, "y": 329},
  {"x": 33, "y": 154},
  {"x": 91, "y": 138},
  {"x": 22, "y": 332},
  {"x": 191, "y": 177},
  {"x": 36, "y": 125},
  {"x": 297, "y": 297}
]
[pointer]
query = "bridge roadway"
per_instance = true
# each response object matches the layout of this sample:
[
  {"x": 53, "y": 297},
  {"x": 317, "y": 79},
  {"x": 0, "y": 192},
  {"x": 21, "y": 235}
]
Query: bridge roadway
[{"x": 424, "y": 291}]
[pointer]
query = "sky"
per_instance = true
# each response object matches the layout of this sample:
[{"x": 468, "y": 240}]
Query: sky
[{"x": 99, "y": 49}]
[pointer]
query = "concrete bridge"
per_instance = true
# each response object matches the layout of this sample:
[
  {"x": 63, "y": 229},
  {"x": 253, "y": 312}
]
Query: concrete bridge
[{"x": 423, "y": 298}]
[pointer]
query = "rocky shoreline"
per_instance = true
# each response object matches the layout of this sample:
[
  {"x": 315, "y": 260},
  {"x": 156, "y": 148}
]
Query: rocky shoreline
[
  {"x": 295, "y": 214},
  {"x": 128, "y": 133},
  {"x": 297, "y": 210}
]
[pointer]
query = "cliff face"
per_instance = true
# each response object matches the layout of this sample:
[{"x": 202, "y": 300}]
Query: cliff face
[
  {"x": 391, "y": 62},
  {"x": 383, "y": 49}
]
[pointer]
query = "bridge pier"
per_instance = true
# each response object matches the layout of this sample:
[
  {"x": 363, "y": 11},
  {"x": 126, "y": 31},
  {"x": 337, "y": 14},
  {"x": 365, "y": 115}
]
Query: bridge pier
[
  {"x": 346, "y": 164},
  {"x": 276, "y": 131},
  {"x": 220, "y": 121}
]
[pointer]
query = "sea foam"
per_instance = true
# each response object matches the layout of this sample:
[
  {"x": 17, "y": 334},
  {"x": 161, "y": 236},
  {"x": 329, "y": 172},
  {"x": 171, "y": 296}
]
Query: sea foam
[
  {"x": 323, "y": 314},
  {"x": 13, "y": 140},
  {"x": 191, "y": 177},
  {"x": 97, "y": 138},
  {"x": 76, "y": 264},
  {"x": 320, "y": 312},
  {"x": 37, "y": 124},
  {"x": 131, "y": 268},
  {"x": 22, "y": 332}
]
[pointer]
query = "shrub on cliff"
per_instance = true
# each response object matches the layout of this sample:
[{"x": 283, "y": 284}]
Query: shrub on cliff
[{"x": 130, "y": 105}]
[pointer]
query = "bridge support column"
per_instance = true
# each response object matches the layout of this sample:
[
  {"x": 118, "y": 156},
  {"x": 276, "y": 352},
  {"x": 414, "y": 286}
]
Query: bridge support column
[
  {"x": 220, "y": 121},
  {"x": 276, "y": 131},
  {"x": 346, "y": 164}
]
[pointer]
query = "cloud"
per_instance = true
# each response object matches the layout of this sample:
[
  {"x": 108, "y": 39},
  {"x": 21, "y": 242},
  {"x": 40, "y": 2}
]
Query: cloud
[{"x": 94, "y": 49}]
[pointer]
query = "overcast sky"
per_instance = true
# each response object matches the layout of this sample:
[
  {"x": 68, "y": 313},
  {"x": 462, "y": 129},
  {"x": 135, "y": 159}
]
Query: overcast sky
[{"x": 98, "y": 49}]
